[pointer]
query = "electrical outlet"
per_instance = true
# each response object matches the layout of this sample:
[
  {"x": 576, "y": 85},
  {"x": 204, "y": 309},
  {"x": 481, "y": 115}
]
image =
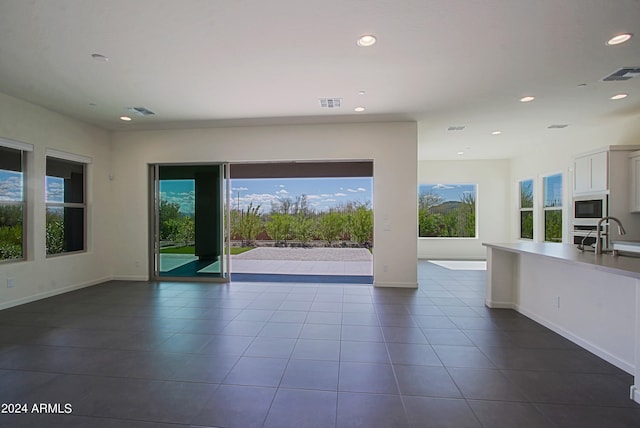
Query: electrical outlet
[{"x": 11, "y": 283}]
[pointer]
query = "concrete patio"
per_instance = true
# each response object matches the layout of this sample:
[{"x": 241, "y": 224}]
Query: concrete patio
[{"x": 304, "y": 261}]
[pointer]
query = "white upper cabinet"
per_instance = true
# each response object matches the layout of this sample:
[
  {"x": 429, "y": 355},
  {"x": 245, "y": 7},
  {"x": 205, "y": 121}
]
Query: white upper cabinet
[{"x": 591, "y": 173}]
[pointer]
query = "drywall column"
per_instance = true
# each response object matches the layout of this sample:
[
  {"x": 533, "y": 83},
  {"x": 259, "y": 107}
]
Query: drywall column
[
  {"x": 635, "y": 388},
  {"x": 502, "y": 274}
]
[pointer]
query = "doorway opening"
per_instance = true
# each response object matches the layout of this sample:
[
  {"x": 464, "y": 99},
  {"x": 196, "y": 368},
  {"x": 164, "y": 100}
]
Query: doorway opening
[
  {"x": 302, "y": 222},
  {"x": 188, "y": 212}
]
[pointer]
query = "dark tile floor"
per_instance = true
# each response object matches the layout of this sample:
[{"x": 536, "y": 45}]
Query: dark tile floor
[{"x": 127, "y": 354}]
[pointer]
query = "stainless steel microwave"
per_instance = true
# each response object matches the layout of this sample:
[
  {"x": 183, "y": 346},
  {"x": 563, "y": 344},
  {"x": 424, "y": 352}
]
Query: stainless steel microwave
[{"x": 590, "y": 208}]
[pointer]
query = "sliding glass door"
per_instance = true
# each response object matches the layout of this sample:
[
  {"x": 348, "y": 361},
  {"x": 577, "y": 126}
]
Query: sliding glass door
[{"x": 190, "y": 237}]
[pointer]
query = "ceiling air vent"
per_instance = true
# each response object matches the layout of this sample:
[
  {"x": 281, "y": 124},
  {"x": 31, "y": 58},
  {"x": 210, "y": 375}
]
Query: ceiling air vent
[
  {"x": 558, "y": 126},
  {"x": 140, "y": 111},
  {"x": 455, "y": 128},
  {"x": 330, "y": 102},
  {"x": 625, "y": 73}
]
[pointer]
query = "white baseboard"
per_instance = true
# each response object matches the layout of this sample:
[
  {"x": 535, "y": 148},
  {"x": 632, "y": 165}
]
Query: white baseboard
[
  {"x": 50, "y": 293},
  {"x": 131, "y": 278},
  {"x": 499, "y": 305},
  {"x": 621, "y": 364},
  {"x": 395, "y": 284}
]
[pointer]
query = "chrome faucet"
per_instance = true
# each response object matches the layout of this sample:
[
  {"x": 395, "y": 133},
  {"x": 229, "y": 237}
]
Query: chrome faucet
[{"x": 621, "y": 231}]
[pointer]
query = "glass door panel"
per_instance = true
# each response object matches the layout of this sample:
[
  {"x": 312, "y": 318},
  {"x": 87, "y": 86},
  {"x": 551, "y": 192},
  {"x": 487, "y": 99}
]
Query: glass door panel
[{"x": 188, "y": 221}]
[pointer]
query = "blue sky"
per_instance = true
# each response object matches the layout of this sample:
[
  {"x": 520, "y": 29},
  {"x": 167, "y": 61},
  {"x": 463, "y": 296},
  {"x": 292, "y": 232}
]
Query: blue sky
[
  {"x": 449, "y": 192},
  {"x": 322, "y": 193},
  {"x": 553, "y": 191},
  {"x": 10, "y": 185},
  {"x": 54, "y": 189}
]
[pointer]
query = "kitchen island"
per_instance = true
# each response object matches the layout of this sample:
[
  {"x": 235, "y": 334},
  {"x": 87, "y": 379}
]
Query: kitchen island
[{"x": 592, "y": 300}]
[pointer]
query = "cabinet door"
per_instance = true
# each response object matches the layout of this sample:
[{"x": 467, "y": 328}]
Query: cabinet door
[
  {"x": 635, "y": 184},
  {"x": 582, "y": 174},
  {"x": 599, "y": 172}
]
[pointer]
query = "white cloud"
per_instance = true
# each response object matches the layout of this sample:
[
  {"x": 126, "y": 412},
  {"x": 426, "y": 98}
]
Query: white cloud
[
  {"x": 315, "y": 197},
  {"x": 262, "y": 199},
  {"x": 282, "y": 192},
  {"x": 325, "y": 195},
  {"x": 239, "y": 189},
  {"x": 282, "y": 185},
  {"x": 361, "y": 189},
  {"x": 54, "y": 190},
  {"x": 442, "y": 186},
  {"x": 340, "y": 194},
  {"x": 329, "y": 200},
  {"x": 11, "y": 189},
  {"x": 352, "y": 190}
]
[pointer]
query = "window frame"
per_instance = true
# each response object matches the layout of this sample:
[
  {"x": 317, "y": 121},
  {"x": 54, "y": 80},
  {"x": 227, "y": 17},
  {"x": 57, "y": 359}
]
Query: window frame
[
  {"x": 475, "y": 208},
  {"x": 24, "y": 149},
  {"x": 71, "y": 159},
  {"x": 522, "y": 209},
  {"x": 546, "y": 208}
]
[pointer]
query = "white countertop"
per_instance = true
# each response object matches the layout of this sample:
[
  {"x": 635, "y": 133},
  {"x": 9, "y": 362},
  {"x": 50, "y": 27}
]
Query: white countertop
[{"x": 619, "y": 265}]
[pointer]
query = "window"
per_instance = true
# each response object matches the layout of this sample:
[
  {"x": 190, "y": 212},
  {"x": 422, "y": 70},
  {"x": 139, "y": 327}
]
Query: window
[
  {"x": 12, "y": 202},
  {"x": 447, "y": 211},
  {"x": 553, "y": 208},
  {"x": 526, "y": 209},
  {"x": 66, "y": 208}
]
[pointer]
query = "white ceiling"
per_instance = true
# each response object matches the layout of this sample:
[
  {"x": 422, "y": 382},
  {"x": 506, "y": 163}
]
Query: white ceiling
[{"x": 244, "y": 62}]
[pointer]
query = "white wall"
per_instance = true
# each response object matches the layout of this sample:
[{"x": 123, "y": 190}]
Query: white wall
[
  {"x": 38, "y": 276},
  {"x": 391, "y": 146},
  {"x": 492, "y": 178},
  {"x": 555, "y": 154},
  {"x": 596, "y": 309},
  {"x": 586, "y": 304}
]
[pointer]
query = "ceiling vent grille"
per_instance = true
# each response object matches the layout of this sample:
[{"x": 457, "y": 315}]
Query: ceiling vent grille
[
  {"x": 625, "y": 73},
  {"x": 558, "y": 126},
  {"x": 455, "y": 128},
  {"x": 140, "y": 111},
  {"x": 330, "y": 102}
]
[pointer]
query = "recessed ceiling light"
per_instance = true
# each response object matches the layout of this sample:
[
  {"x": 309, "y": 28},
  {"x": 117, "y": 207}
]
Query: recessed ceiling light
[
  {"x": 620, "y": 38},
  {"x": 362, "y": 93},
  {"x": 366, "y": 40},
  {"x": 527, "y": 99},
  {"x": 359, "y": 109},
  {"x": 496, "y": 133},
  {"x": 125, "y": 118},
  {"x": 619, "y": 96},
  {"x": 460, "y": 153},
  {"x": 99, "y": 57}
]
